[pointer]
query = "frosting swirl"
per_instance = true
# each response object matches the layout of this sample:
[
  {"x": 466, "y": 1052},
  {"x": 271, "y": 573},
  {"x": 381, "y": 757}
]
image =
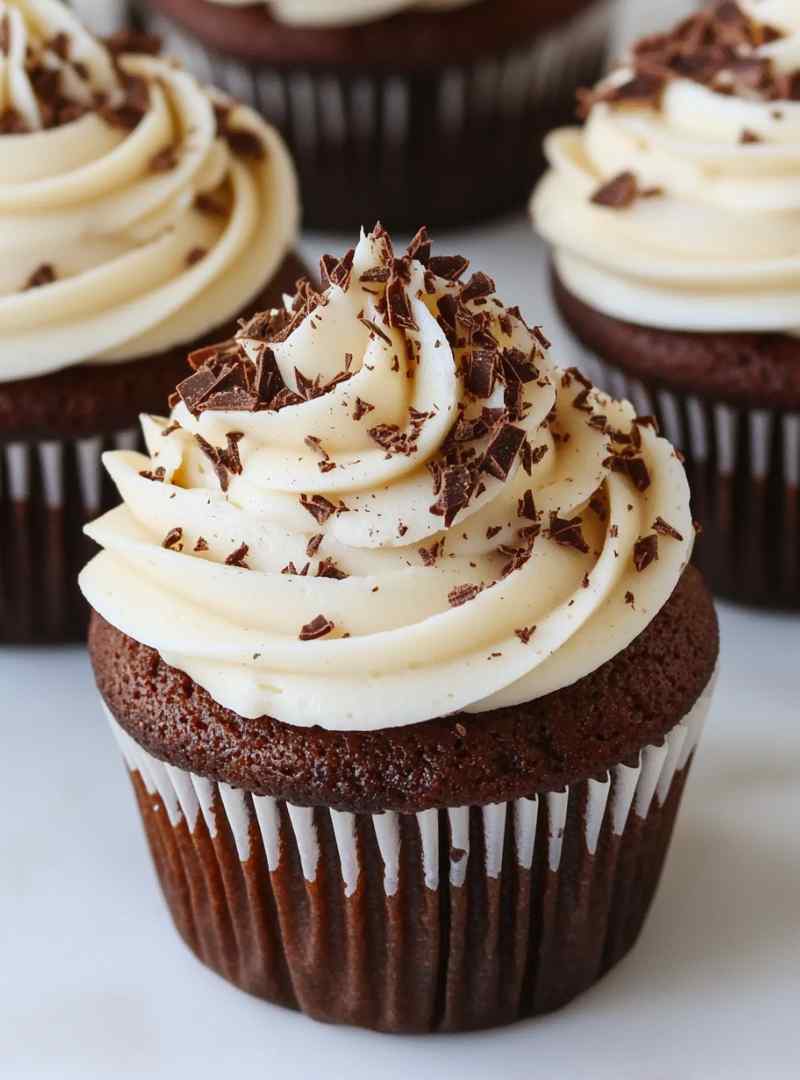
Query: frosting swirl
[
  {"x": 138, "y": 210},
  {"x": 387, "y": 504},
  {"x": 343, "y": 12},
  {"x": 715, "y": 247}
]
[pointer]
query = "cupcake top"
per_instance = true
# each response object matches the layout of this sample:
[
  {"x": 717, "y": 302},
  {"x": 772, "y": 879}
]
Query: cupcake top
[
  {"x": 386, "y": 504},
  {"x": 138, "y": 210},
  {"x": 677, "y": 205},
  {"x": 343, "y": 12}
]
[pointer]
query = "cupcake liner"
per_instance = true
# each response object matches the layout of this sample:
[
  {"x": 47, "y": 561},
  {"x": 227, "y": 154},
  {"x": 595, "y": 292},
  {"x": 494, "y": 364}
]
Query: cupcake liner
[
  {"x": 744, "y": 471},
  {"x": 440, "y": 147},
  {"x": 48, "y": 490},
  {"x": 445, "y": 920}
]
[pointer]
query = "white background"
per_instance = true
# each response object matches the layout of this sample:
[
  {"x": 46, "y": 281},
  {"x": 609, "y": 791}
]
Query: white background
[{"x": 95, "y": 983}]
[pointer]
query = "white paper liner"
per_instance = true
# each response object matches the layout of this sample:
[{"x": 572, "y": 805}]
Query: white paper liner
[
  {"x": 48, "y": 490},
  {"x": 624, "y": 791},
  {"x": 744, "y": 469},
  {"x": 322, "y": 109}
]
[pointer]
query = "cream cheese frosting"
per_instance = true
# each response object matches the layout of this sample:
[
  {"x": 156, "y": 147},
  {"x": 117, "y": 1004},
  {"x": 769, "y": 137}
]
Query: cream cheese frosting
[
  {"x": 387, "y": 504},
  {"x": 144, "y": 208},
  {"x": 344, "y": 12},
  {"x": 717, "y": 246}
]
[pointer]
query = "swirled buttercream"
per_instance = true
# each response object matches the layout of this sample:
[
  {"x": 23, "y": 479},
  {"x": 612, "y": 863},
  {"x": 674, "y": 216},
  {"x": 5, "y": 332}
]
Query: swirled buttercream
[
  {"x": 344, "y": 12},
  {"x": 715, "y": 246},
  {"x": 387, "y": 504},
  {"x": 138, "y": 210}
]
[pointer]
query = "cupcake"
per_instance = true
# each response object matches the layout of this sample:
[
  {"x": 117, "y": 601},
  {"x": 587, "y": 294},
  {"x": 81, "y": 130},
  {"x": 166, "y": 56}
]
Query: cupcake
[
  {"x": 397, "y": 635},
  {"x": 139, "y": 214},
  {"x": 674, "y": 216},
  {"x": 433, "y": 109}
]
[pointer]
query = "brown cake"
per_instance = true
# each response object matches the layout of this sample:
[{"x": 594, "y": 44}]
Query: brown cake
[
  {"x": 674, "y": 219},
  {"x": 397, "y": 635},
  {"x": 405, "y": 111},
  {"x": 141, "y": 215}
]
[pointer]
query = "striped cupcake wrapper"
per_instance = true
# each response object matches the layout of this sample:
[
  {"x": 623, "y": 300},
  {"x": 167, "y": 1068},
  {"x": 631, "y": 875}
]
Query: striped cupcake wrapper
[
  {"x": 440, "y": 148},
  {"x": 48, "y": 490},
  {"x": 444, "y": 920},
  {"x": 744, "y": 471}
]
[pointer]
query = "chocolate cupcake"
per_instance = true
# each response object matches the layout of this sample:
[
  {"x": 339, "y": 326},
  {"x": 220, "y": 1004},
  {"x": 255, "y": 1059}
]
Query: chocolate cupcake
[
  {"x": 674, "y": 215},
  {"x": 399, "y": 110},
  {"x": 139, "y": 214},
  {"x": 397, "y": 635}
]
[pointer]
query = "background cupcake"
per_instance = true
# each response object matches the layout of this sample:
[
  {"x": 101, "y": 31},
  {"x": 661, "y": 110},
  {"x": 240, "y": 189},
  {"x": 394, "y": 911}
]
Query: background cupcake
[
  {"x": 138, "y": 214},
  {"x": 399, "y": 110},
  {"x": 396, "y": 633},
  {"x": 675, "y": 220}
]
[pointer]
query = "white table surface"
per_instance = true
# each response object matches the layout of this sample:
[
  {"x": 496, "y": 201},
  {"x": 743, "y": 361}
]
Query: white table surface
[{"x": 94, "y": 982}]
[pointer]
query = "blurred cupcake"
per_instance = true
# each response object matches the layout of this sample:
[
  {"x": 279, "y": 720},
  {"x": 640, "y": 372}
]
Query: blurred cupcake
[
  {"x": 399, "y": 110},
  {"x": 397, "y": 636},
  {"x": 675, "y": 220},
  {"x": 139, "y": 213}
]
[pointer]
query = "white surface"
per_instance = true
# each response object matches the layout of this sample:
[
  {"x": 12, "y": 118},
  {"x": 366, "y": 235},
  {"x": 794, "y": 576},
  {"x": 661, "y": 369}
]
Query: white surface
[{"x": 95, "y": 983}]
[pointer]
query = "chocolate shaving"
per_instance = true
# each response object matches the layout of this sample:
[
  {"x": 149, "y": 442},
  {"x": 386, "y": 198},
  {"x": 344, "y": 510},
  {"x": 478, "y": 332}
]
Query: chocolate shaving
[
  {"x": 319, "y": 507},
  {"x": 42, "y": 275},
  {"x": 526, "y": 508},
  {"x": 449, "y": 267},
  {"x": 431, "y": 554},
  {"x": 618, "y": 193},
  {"x": 317, "y": 628},
  {"x": 525, "y": 633},
  {"x": 456, "y": 488},
  {"x": 157, "y": 475},
  {"x": 567, "y": 532},
  {"x": 478, "y": 287},
  {"x": 462, "y": 594},
  {"x": 645, "y": 551},
  {"x": 201, "y": 545},
  {"x": 398, "y": 307},
  {"x": 328, "y": 569},
  {"x": 361, "y": 409},
  {"x": 480, "y": 372},
  {"x": 665, "y": 529},
  {"x": 374, "y": 329},
  {"x": 172, "y": 539},
  {"x": 502, "y": 451},
  {"x": 630, "y": 466},
  {"x": 237, "y": 557}
]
